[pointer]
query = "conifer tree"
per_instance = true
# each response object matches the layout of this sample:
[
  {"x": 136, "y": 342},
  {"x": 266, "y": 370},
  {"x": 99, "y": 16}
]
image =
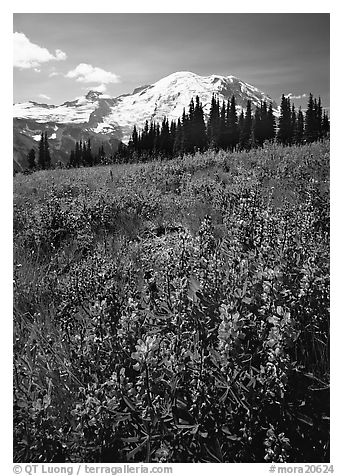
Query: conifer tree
[
  {"x": 223, "y": 130},
  {"x": 172, "y": 136},
  {"x": 264, "y": 121},
  {"x": 186, "y": 133},
  {"x": 199, "y": 125},
  {"x": 232, "y": 124},
  {"x": 102, "y": 154},
  {"x": 135, "y": 137},
  {"x": 165, "y": 145},
  {"x": 77, "y": 155},
  {"x": 84, "y": 153},
  {"x": 145, "y": 138},
  {"x": 41, "y": 153},
  {"x": 299, "y": 136},
  {"x": 191, "y": 126},
  {"x": 213, "y": 124},
  {"x": 72, "y": 158},
  {"x": 245, "y": 137},
  {"x": 88, "y": 157},
  {"x": 310, "y": 121},
  {"x": 293, "y": 125},
  {"x": 177, "y": 146},
  {"x": 156, "y": 146},
  {"x": 270, "y": 124},
  {"x": 31, "y": 158},
  {"x": 285, "y": 122},
  {"x": 151, "y": 137},
  {"x": 325, "y": 125},
  {"x": 89, "y": 152},
  {"x": 318, "y": 118},
  {"x": 240, "y": 128},
  {"x": 47, "y": 157},
  {"x": 258, "y": 136}
]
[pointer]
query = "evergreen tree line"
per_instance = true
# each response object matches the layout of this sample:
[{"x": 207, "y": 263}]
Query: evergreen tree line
[
  {"x": 190, "y": 133},
  {"x": 226, "y": 130},
  {"x": 295, "y": 128},
  {"x": 82, "y": 155}
]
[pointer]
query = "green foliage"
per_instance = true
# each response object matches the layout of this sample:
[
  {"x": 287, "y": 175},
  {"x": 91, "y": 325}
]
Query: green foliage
[{"x": 174, "y": 311}]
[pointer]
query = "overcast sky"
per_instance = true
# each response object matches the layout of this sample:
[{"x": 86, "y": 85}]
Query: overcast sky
[{"x": 58, "y": 57}]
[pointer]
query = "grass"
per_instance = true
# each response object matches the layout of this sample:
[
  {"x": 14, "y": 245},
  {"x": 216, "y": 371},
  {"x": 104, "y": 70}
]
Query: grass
[{"x": 175, "y": 311}]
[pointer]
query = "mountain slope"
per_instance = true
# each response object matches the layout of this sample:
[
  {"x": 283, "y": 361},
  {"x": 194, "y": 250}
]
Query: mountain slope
[{"x": 110, "y": 120}]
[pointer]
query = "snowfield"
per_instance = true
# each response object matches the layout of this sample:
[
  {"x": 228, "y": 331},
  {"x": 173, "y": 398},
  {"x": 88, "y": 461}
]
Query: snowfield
[{"x": 76, "y": 112}]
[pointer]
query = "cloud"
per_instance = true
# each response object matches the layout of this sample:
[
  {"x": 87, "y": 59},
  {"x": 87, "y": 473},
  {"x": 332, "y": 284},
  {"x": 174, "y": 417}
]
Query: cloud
[
  {"x": 86, "y": 73},
  {"x": 300, "y": 96},
  {"x": 60, "y": 55},
  {"x": 54, "y": 73},
  {"x": 29, "y": 55},
  {"x": 101, "y": 88},
  {"x": 44, "y": 96}
]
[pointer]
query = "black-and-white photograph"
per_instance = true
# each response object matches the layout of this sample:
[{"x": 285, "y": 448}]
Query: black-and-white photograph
[{"x": 171, "y": 232}]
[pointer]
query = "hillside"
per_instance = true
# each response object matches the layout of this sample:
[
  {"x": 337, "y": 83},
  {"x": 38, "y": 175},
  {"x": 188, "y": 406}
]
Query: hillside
[{"x": 174, "y": 311}]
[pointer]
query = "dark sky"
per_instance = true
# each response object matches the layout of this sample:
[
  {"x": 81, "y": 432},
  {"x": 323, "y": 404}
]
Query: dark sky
[{"x": 278, "y": 53}]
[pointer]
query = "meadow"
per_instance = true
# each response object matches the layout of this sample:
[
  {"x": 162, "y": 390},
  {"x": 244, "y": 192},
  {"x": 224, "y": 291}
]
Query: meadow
[{"x": 174, "y": 311}]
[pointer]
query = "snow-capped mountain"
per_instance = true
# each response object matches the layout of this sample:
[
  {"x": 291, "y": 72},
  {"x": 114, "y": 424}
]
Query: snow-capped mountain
[{"x": 110, "y": 120}]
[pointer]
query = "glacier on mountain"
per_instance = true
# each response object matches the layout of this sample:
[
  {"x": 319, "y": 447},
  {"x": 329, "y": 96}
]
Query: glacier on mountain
[
  {"x": 109, "y": 120},
  {"x": 165, "y": 98}
]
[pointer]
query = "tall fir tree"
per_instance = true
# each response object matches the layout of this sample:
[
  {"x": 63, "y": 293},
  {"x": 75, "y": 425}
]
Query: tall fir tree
[
  {"x": 240, "y": 128},
  {"x": 264, "y": 121},
  {"x": 77, "y": 155},
  {"x": 191, "y": 126},
  {"x": 72, "y": 162},
  {"x": 258, "y": 135},
  {"x": 199, "y": 126},
  {"x": 299, "y": 135},
  {"x": 41, "y": 153},
  {"x": 270, "y": 124},
  {"x": 151, "y": 137},
  {"x": 284, "y": 134},
  {"x": 156, "y": 146},
  {"x": 102, "y": 153},
  {"x": 246, "y": 131},
  {"x": 318, "y": 118},
  {"x": 222, "y": 139},
  {"x": 186, "y": 133},
  {"x": 84, "y": 153},
  {"x": 165, "y": 143},
  {"x": 325, "y": 124},
  {"x": 177, "y": 146},
  {"x": 172, "y": 136},
  {"x": 213, "y": 124},
  {"x": 47, "y": 157},
  {"x": 145, "y": 138},
  {"x": 232, "y": 123},
  {"x": 31, "y": 159},
  {"x": 89, "y": 154},
  {"x": 293, "y": 125},
  {"x": 310, "y": 120},
  {"x": 135, "y": 137}
]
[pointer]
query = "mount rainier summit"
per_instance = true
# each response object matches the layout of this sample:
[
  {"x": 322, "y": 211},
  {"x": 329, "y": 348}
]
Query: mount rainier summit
[{"x": 107, "y": 120}]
